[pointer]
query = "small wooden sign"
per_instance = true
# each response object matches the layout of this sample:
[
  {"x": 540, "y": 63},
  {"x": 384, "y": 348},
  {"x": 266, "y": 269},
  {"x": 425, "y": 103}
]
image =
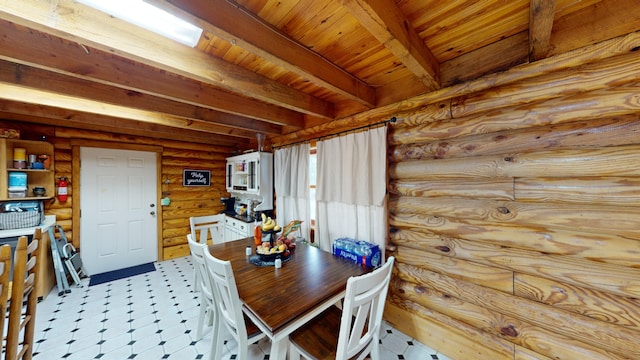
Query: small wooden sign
[{"x": 196, "y": 177}]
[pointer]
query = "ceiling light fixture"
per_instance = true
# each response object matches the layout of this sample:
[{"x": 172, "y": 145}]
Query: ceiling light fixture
[{"x": 149, "y": 17}]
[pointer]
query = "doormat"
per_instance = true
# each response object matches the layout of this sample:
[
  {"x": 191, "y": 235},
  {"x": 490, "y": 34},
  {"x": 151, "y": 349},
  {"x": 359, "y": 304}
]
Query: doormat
[{"x": 121, "y": 273}]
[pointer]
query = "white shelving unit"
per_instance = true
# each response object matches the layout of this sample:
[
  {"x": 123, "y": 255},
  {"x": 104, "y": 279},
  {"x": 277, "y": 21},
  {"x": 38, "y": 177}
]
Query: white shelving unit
[{"x": 250, "y": 176}]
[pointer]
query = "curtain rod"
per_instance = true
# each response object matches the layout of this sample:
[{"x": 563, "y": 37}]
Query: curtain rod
[{"x": 392, "y": 120}]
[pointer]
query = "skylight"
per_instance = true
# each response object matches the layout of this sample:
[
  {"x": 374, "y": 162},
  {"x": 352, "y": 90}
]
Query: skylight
[{"x": 149, "y": 17}]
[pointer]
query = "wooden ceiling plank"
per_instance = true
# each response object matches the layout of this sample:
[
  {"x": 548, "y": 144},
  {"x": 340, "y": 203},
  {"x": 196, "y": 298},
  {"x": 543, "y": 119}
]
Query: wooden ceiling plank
[
  {"x": 27, "y": 76},
  {"x": 230, "y": 21},
  {"x": 80, "y": 23},
  {"x": 541, "y": 14},
  {"x": 602, "y": 20},
  {"x": 16, "y": 93},
  {"x": 384, "y": 20},
  {"x": 55, "y": 54}
]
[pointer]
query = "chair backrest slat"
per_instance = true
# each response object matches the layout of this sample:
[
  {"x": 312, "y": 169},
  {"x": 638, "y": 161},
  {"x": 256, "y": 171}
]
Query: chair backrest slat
[
  {"x": 23, "y": 286},
  {"x": 226, "y": 294},
  {"x": 5, "y": 270},
  {"x": 197, "y": 255},
  {"x": 362, "y": 311},
  {"x": 207, "y": 227}
]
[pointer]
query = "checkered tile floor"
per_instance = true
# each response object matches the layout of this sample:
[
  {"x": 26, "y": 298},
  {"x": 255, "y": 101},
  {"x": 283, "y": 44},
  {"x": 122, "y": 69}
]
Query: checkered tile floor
[{"x": 152, "y": 316}]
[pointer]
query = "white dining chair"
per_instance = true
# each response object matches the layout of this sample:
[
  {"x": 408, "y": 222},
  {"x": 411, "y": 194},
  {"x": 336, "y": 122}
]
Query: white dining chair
[
  {"x": 206, "y": 229},
  {"x": 208, "y": 311},
  {"x": 354, "y": 331},
  {"x": 209, "y": 227},
  {"x": 229, "y": 308}
]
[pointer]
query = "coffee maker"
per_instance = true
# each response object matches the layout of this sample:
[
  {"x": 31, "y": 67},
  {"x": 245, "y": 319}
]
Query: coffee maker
[{"x": 229, "y": 204}]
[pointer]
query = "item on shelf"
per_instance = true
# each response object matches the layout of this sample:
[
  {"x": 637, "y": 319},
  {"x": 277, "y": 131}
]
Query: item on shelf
[
  {"x": 45, "y": 160},
  {"x": 21, "y": 214},
  {"x": 20, "y": 158},
  {"x": 33, "y": 159},
  {"x": 17, "y": 180},
  {"x": 9, "y": 133},
  {"x": 39, "y": 191},
  {"x": 16, "y": 194}
]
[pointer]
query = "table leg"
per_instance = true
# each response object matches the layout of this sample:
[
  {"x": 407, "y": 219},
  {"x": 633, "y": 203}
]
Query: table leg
[{"x": 279, "y": 349}]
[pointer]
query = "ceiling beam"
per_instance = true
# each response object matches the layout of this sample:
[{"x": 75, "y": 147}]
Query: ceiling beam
[
  {"x": 10, "y": 92},
  {"x": 30, "y": 77},
  {"x": 76, "y": 22},
  {"x": 231, "y": 22},
  {"x": 13, "y": 111},
  {"x": 384, "y": 20},
  {"x": 541, "y": 15},
  {"x": 55, "y": 54}
]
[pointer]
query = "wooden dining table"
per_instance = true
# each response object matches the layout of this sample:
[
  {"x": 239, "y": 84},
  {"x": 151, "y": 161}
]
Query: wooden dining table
[{"x": 281, "y": 300}]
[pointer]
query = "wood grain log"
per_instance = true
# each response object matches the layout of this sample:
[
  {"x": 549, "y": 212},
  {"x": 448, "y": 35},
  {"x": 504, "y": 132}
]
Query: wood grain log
[
  {"x": 613, "y": 279},
  {"x": 588, "y": 302},
  {"x": 65, "y": 132},
  {"x": 594, "y": 191},
  {"x": 448, "y": 336},
  {"x": 168, "y": 242},
  {"x": 463, "y": 269},
  {"x": 613, "y": 338},
  {"x": 176, "y": 223},
  {"x": 491, "y": 189},
  {"x": 621, "y": 130},
  {"x": 611, "y": 72},
  {"x": 171, "y": 212},
  {"x": 596, "y": 218},
  {"x": 60, "y": 213},
  {"x": 202, "y": 153},
  {"x": 519, "y": 332},
  {"x": 442, "y": 235},
  {"x": 176, "y": 232},
  {"x": 174, "y": 252},
  {"x": 608, "y": 161},
  {"x": 522, "y": 353},
  {"x": 609, "y": 102}
]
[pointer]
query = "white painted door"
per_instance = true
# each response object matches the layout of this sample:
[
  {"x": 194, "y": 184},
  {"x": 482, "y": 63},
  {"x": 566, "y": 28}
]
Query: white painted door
[{"x": 118, "y": 226}]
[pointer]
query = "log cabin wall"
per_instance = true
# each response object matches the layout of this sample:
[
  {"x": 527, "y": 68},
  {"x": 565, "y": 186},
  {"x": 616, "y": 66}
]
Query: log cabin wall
[
  {"x": 515, "y": 218},
  {"x": 176, "y": 156}
]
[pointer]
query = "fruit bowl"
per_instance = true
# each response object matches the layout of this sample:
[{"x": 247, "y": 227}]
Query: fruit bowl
[
  {"x": 272, "y": 257},
  {"x": 270, "y": 249}
]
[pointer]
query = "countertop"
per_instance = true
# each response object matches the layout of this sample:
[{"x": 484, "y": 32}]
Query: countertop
[
  {"x": 242, "y": 218},
  {"x": 49, "y": 221}
]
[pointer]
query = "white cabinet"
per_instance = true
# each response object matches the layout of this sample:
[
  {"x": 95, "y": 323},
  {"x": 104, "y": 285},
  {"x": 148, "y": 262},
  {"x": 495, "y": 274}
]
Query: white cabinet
[
  {"x": 235, "y": 229},
  {"x": 251, "y": 176}
]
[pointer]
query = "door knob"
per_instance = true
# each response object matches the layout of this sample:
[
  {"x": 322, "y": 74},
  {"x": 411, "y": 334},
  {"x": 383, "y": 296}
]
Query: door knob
[
  {"x": 152, "y": 213},
  {"x": 152, "y": 205}
]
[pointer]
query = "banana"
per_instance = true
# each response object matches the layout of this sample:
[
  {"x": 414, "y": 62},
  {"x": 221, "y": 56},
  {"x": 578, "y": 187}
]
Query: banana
[
  {"x": 264, "y": 218},
  {"x": 269, "y": 224}
]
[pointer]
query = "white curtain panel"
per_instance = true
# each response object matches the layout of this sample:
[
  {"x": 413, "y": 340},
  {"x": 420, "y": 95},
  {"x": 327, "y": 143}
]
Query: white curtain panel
[
  {"x": 351, "y": 188},
  {"x": 291, "y": 184}
]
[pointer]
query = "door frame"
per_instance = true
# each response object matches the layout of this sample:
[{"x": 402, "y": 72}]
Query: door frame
[{"x": 76, "y": 144}]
